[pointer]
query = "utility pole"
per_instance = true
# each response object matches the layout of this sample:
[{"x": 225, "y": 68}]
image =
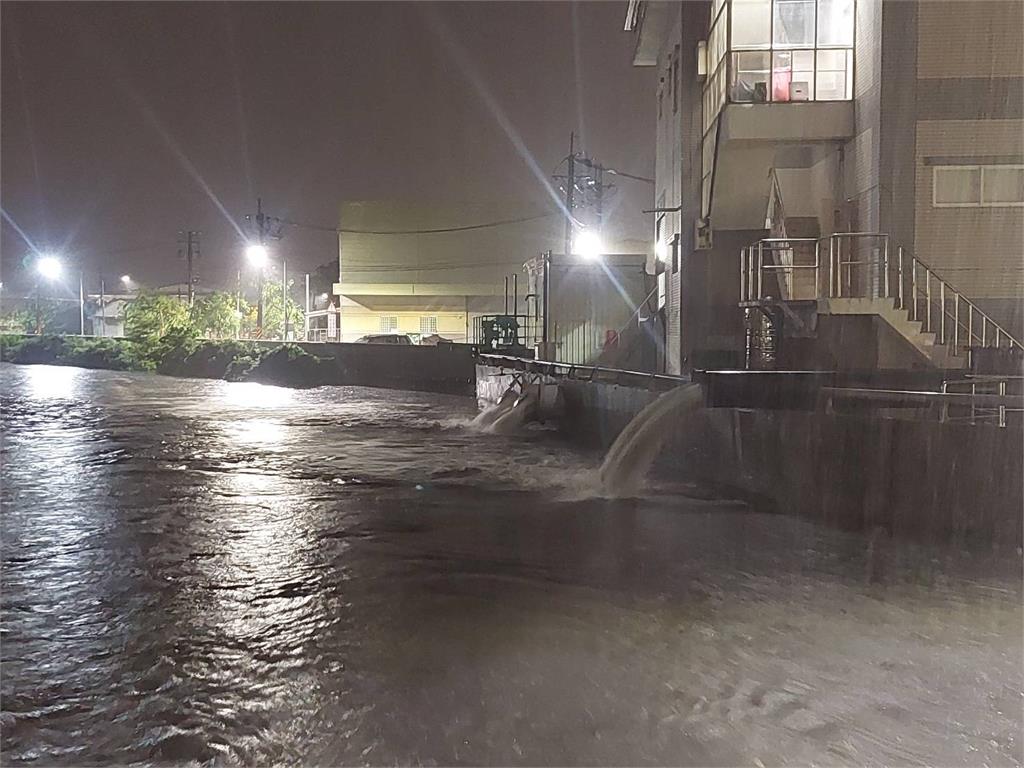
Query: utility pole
[
  {"x": 238, "y": 302},
  {"x": 267, "y": 227},
  {"x": 191, "y": 242},
  {"x": 305, "y": 334},
  {"x": 284, "y": 298},
  {"x": 103, "y": 309},
  {"x": 570, "y": 189}
]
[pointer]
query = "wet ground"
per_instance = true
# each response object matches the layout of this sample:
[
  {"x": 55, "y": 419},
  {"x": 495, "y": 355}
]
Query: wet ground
[{"x": 208, "y": 571}]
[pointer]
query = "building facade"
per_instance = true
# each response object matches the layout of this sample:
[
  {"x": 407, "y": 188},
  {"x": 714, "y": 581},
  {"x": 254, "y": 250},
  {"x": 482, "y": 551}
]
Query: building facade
[
  {"x": 440, "y": 278},
  {"x": 792, "y": 123}
]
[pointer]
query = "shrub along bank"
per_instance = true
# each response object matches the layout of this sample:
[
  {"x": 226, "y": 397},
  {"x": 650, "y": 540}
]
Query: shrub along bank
[{"x": 174, "y": 355}]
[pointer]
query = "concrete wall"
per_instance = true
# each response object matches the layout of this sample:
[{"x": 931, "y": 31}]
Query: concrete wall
[
  {"x": 447, "y": 368},
  {"x": 914, "y": 478}
]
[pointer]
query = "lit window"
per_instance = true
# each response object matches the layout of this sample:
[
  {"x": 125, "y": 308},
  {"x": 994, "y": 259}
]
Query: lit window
[
  {"x": 749, "y": 76},
  {"x": 428, "y": 325},
  {"x": 792, "y": 75},
  {"x": 789, "y": 50},
  {"x": 793, "y": 24},
  {"x": 835, "y": 75},
  {"x": 1002, "y": 185},
  {"x": 751, "y": 23},
  {"x": 835, "y": 22},
  {"x": 388, "y": 324}
]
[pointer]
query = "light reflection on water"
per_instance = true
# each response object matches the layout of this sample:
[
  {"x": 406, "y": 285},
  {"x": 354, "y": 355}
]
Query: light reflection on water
[
  {"x": 49, "y": 382},
  {"x": 199, "y": 571}
]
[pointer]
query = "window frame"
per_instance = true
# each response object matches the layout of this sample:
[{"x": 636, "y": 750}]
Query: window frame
[
  {"x": 980, "y": 202},
  {"x": 770, "y": 47},
  {"x": 392, "y": 323}
]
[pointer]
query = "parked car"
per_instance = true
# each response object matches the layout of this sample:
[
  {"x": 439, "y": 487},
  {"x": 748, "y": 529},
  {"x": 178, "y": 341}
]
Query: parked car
[{"x": 385, "y": 338}]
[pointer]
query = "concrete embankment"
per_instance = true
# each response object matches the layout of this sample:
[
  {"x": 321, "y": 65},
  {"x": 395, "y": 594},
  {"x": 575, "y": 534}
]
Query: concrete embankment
[
  {"x": 443, "y": 368},
  {"x": 912, "y": 477}
]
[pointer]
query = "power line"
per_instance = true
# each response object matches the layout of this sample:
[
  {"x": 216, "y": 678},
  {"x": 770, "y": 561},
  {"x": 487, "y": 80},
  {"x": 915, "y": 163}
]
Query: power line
[{"x": 440, "y": 230}]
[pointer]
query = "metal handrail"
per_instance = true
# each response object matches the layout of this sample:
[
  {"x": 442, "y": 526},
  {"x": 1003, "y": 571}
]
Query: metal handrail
[
  {"x": 933, "y": 301},
  {"x": 944, "y": 336}
]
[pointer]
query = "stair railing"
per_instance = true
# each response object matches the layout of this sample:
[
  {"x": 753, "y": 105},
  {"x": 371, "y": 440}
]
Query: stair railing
[
  {"x": 943, "y": 310},
  {"x": 860, "y": 266}
]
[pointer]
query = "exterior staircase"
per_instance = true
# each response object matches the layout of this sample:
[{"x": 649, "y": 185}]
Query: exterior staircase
[
  {"x": 857, "y": 273},
  {"x": 938, "y": 355}
]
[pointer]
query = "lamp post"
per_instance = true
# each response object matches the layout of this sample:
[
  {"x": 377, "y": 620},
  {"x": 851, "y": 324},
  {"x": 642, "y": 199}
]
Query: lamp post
[
  {"x": 47, "y": 268},
  {"x": 257, "y": 256}
]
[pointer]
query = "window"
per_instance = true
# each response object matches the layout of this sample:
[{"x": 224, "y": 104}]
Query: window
[
  {"x": 388, "y": 323},
  {"x": 835, "y": 22},
  {"x": 835, "y": 75},
  {"x": 793, "y": 23},
  {"x": 1002, "y": 185},
  {"x": 974, "y": 186},
  {"x": 751, "y": 22},
  {"x": 790, "y": 50},
  {"x": 792, "y": 75},
  {"x": 428, "y": 325},
  {"x": 749, "y": 76}
]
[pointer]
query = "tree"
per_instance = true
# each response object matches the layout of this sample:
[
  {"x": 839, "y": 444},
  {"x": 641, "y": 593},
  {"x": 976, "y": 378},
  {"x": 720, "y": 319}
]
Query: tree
[
  {"x": 215, "y": 315},
  {"x": 18, "y": 321},
  {"x": 152, "y": 316},
  {"x": 273, "y": 315}
]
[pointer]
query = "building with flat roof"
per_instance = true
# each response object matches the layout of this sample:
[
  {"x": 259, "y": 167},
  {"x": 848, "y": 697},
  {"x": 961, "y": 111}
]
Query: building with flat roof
[{"x": 447, "y": 271}]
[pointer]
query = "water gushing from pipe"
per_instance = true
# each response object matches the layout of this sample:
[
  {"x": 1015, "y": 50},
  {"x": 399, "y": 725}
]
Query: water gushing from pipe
[{"x": 631, "y": 455}]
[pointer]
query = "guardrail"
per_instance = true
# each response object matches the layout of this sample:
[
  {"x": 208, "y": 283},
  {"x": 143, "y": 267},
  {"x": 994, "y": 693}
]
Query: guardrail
[{"x": 592, "y": 373}]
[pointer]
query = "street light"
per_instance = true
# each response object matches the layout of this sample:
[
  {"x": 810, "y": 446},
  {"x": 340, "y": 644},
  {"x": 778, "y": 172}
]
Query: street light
[
  {"x": 126, "y": 281},
  {"x": 588, "y": 245},
  {"x": 257, "y": 255},
  {"x": 49, "y": 267}
]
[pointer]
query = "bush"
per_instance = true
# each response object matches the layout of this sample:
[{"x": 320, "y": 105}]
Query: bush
[
  {"x": 289, "y": 366},
  {"x": 113, "y": 354}
]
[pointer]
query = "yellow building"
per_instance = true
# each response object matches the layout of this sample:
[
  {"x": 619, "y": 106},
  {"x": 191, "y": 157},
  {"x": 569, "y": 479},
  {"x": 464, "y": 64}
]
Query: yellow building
[{"x": 397, "y": 277}]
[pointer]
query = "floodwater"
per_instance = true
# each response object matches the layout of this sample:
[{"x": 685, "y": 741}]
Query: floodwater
[{"x": 206, "y": 571}]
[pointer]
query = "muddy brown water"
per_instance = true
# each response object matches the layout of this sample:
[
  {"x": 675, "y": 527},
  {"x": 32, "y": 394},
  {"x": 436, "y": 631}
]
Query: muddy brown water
[{"x": 201, "y": 571}]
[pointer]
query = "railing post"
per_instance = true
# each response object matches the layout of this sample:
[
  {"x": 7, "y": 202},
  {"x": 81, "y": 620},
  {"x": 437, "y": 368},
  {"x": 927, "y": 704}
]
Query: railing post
[
  {"x": 1002, "y": 406},
  {"x": 944, "y": 410},
  {"x": 956, "y": 320},
  {"x": 817, "y": 269},
  {"x": 984, "y": 322},
  {"x": 832, "y": 287},
  {"x": 974, "y": 392},
  {"x": 760, "y": 264},
  {"x": 885, "y": 266},
  {"x": 743, "y": 274},
  {"x": 942, "y": 311},
  {"x": 997, "y": 337},
  {"x": 913, "y": 288},
  {"x": 899, "y": 269},
  {"x": 928, "y": 300},
  {"x": 970, "y": 324}
]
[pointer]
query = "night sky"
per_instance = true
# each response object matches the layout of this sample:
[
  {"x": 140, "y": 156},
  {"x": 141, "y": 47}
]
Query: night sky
[{"x": 124, "y": 123}]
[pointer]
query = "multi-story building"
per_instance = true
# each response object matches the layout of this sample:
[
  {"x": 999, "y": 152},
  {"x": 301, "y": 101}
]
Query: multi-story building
[{"x": 838, "y": 169}]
